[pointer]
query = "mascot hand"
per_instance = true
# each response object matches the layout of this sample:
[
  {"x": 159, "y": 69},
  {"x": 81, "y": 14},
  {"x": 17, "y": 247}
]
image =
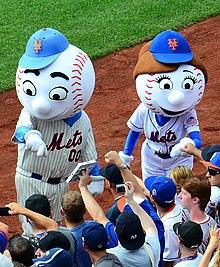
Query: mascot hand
[
  {"x": 127, "y": 159},
  {"x": 96, "y": 187},
  {"x": 176, "y": 149},
  {"x": 35, "y": 143}
]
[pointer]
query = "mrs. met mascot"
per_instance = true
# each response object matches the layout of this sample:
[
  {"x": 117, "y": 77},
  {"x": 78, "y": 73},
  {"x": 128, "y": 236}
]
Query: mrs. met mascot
[{"x": 170, "y": 82}]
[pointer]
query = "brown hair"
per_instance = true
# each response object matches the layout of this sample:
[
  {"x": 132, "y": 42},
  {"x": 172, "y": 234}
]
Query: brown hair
[
  {"x": 73, "y": 206},
  {"x": 180, "y": 175},
  {"x": 148, "y": 64},
  {"x": 200, "y": 188}
]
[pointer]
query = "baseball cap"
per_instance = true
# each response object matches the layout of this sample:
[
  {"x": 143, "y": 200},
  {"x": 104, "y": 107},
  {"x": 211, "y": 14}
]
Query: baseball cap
[
  {"x": 112, "y": 174},
  {"x": 171, "y": 47},
  {"x": 55, "y": 257},
  {"x": 51, "y": 239},
  {"x": 3, "y": 241},
  {"x": 95, "y": 236},
  {"x": 38, "y": 203},
  {"x": 214, "y": 161},
  {"x": 189, "y": 233},
  {"x": 43, "y": 47},
  {"x": 129, "y": 230},
  {"x": 208, "y": 151},
  {"x": 5, "y": 261},
  {"x": 162, "y": 188}
]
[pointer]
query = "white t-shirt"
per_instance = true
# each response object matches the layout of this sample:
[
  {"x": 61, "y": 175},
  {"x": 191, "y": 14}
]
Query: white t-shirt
[{"x": 189, "y": 262}]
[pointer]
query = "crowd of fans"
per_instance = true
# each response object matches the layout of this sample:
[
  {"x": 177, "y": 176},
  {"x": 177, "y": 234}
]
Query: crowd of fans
[{"x": 163, "y": 221}]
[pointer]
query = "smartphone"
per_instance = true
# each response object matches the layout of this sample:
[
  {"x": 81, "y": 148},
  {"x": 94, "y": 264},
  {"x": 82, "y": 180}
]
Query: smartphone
[
  {"x": 4, "y": 211},
  {"x": 120, "y": 188}
]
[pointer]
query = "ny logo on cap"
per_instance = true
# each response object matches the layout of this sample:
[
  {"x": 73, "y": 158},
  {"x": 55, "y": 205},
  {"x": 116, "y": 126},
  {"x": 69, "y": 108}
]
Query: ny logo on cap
[
  {"x": 173, "y": 43},
  {"x": 134, "y": 236},
  {"x": 37, "y": 45}
]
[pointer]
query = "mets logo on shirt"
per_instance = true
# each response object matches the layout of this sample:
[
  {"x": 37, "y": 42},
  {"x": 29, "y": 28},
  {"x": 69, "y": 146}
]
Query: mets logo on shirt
[{"x": 191, "y": 121}]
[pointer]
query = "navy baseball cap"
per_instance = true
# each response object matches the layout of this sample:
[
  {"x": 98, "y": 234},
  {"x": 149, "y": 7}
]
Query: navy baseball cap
[
  {"x": 38, "y": 203},
  {"x": 43, "y": 47},
  {"x": 112, "y": 174},
  {"x": 162, "y": 188},
  {"x": 189, "y": 233},
  {"x": 171, "y": 47},
  {"x": 95, "y": 236},
  {"x": 129, "y": 230},
  {"x": 208, "y": 151},
  {"x": 214, "y": 161},
  {"x": 51, "y": 239},
  {"x": 55, "y": 257}
]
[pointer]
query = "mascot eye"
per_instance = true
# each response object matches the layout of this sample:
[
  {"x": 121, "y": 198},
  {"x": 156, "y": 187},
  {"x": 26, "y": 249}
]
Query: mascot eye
[
  {"x": 58, "y": 93},
  {"x": 164, "y": 82},
  {"x": 29, "y": 88},
  {"x": 188, "y": 83}
]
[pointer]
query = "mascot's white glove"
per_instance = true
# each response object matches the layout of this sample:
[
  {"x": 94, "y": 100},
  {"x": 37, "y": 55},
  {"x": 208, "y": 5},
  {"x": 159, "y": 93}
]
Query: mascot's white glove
[
  {"x": 96, "y": 187},
  {"x": 35, "y": 143},
  {"x": 176, "y": 149},
  {"x": 126, "y": 159}
]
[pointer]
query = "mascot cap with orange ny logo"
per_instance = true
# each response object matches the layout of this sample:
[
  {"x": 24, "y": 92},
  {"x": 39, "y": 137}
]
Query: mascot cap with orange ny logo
[
  {"x": 171, "y": 47},
  {"x": 43, "y": 47}
]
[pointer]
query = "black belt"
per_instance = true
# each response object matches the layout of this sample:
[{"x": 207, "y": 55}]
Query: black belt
[
  {"x": 163, "y": 156},
  {"x": 49, "y": 180}
]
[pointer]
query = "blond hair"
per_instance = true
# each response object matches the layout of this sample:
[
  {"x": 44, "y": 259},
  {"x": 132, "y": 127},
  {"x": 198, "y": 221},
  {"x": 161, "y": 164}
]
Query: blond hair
[{"x": 179, "y": 175}]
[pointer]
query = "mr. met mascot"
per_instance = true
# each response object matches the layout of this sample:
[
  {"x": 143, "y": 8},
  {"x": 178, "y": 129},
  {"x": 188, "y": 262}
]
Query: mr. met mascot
[
  {"x": 170, "y": 82},
  {"x": 54, "y": 82}
]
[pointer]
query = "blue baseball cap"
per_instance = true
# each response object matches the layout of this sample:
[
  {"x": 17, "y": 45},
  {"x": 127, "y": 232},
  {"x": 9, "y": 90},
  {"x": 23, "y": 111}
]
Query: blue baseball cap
[
  {"x": 214, "y": 161},
  {"x": 3, "y": 241},
  {"x": 162, "y": 188},
  {"x": 95, "y": 236},
  {"x": 55, "y": 257},
  {"x": 43, "y": 47},
  {"x": 171, "y": 47}
]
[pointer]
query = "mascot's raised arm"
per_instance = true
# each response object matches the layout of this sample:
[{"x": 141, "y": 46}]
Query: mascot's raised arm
[
  {"x": 54, "y": 82},
  {"x": 170, "y": 82}
]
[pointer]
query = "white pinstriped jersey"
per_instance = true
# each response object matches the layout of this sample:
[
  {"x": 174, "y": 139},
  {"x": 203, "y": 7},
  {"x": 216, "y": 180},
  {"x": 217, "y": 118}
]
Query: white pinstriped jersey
[
  {"x": 66, "y": 146},
  {"x": 171, "y": 239},
  {"x": 162, "y": 138}
]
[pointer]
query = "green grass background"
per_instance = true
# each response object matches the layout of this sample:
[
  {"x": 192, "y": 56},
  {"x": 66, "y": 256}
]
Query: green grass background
[{"x": 98, "y": 27}]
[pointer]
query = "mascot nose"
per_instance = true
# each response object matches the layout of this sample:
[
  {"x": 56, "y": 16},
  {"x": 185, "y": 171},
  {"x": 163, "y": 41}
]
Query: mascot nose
[
  {"x": 176, "y": 98},
  {"x": 41, "y": 105}
]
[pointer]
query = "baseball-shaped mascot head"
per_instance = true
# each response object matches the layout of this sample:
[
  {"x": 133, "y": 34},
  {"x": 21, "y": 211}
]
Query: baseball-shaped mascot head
[
  {"x": 54, "y": 80},
  {"x": 170, "y": 78}
]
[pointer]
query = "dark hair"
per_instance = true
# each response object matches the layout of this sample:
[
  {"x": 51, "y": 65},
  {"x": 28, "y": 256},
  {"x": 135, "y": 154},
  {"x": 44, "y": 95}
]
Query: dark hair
[
  {"x": 21, "y": 250},
  {"x": 166, "y": 206},
  {"x": 18, "y": 264}
]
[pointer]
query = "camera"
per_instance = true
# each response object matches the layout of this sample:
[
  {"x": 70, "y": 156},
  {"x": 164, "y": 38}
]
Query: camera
[
  {"x": 120, "y": 188},
  {"x": 4, "y": 211}
]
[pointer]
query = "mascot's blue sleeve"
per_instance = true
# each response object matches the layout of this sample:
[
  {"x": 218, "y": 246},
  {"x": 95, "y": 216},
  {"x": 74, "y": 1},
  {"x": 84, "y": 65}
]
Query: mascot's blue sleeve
[
  {"x": 95, "y": 170},
  {"x": 20, "y": 133},
  {"x": 195, "y": 136},
  {"x": 131, "y": 142}
]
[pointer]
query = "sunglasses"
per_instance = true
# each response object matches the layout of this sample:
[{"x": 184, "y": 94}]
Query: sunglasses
[{"x": 213, "y": 172}]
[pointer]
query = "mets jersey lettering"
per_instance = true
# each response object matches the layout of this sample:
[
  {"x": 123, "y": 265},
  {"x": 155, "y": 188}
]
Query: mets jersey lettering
[
  {"x": 168, "y": 137},
  {"x": 57, "y": 144},
  {"x": 162, "y": 138}
]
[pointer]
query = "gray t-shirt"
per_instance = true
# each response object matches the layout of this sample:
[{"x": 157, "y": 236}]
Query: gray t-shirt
[
  {"x": 139, "y": 257},
  {"x": 109, "y": 260}
]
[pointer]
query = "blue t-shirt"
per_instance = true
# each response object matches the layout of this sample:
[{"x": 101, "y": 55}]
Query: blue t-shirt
[{"x": 82, "y": 256}]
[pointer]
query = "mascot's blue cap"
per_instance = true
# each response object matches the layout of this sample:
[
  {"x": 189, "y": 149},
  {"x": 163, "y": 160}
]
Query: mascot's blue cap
[
  {"x": 171, "y": 47},
  {"x": 43, "y": 47}
]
